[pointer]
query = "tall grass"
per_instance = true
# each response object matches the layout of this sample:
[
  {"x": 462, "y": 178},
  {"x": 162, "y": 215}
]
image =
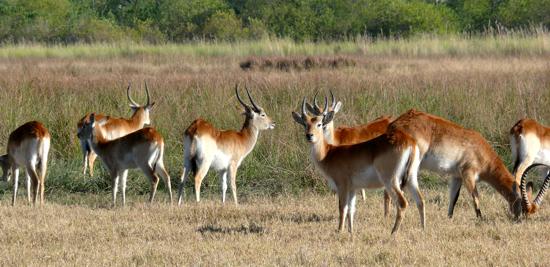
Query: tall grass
[
  {"x": 536, "y": 42},
  {"x": 488, "y": 94}
]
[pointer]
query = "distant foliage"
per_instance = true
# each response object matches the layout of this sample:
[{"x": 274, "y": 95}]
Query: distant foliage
[
  {"x": 155, "y": 21},
  {"x": 524, "y": 13}
]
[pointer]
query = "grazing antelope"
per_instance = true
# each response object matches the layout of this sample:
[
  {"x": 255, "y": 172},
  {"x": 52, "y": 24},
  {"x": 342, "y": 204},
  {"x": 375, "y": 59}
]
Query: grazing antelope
[
  {"x": 530, "y": 143},
  {"x": 143, "y": 149},
  {"x": 114, "y": 128},
  {"x": 28, "y": 147},
  {"x": 446, "y": 147},
  {"x": 205, "y": 147},
  {"x": 385, "y": 161},
  {"x": 351, "y": 135}
]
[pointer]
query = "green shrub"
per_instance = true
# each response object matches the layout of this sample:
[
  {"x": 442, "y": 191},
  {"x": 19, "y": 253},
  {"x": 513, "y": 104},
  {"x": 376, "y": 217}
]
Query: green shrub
[
  {"x": 398, "y": 17},
  {"x": 34, "y": 20},
  {"x": 256, "y": 29},
  {"x": 524, "y": 13},
  {"x": 182, "y": 19},
  {"x": 92, "y": 29},
  {"x": 223, "y": 25},
  {"x": 146, "y": 31}
]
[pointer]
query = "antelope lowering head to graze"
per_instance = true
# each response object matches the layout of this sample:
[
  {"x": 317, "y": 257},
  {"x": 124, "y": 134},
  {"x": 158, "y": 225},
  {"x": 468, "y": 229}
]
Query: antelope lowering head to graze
[
  {"x": 530, "y": 143},
  {"x": 385, "y": 161},
  {"x": 448, "y": 148},
  {"x": 113, "y": 128},
  {"x": 350, "y": 135},
  {"x": 28, "y": 147},
  {"x": 205, "y": 147},
  {"x": 143, "y": 149}
]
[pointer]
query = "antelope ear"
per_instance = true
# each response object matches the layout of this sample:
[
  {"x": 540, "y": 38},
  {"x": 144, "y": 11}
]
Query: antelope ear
[
  {"x": 297, "y": 118},
  {"x": 337, "y": 107},
  {"x": 91, "y": 118},
  {"x": 328, "y": 117}
]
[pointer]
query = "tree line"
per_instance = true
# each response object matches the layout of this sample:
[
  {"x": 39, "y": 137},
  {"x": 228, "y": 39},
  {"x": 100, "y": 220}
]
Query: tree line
[{"x": 158, "y": 21}]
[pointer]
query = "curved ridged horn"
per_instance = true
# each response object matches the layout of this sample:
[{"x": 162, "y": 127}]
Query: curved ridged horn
[
  {"x": 132, "y": 102},
  {"x": 527, "y": 206},
  {"x": 239, "y": 97},
  {"x": 333, "y": 99},
  {"x": 256, "y": 108},
  {"x": 315, "y": 102},
  {"x": 304, "y": 107},
  {"x": 147, "y": 92},
  {"x": 540, "y": 195},
  {"x": 325, "y": 108}
]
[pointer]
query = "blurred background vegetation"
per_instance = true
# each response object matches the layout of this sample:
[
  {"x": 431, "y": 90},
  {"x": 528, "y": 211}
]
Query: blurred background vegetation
[{"x": 156, "y": 21}]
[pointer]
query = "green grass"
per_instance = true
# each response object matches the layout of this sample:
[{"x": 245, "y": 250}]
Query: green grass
[
  {"x": 286, "y": 216},
  {"x": 487, "y": 93},
  {"x": 512, "y": 43}
]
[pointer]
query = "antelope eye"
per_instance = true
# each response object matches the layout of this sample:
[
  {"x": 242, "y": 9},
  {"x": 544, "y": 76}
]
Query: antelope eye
[
  {"x": 319, "y": 125},
  {"x": 263, "y": 114}
]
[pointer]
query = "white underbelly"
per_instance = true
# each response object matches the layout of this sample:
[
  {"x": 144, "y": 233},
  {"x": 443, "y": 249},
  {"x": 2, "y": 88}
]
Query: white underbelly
[
  {"x": 437, "y": 164},
  {"x": 367, "y": 178},
  {"x": 221, "y": 161},
  {"x": 543, "y": 157}
]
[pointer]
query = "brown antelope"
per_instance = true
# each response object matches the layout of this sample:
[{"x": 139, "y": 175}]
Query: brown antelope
[
  {"x": 351, "y": 135},
  {"x": 530, "y": 143},
  {"x": 446, "y": 147},
  {"x": 205, "y": 147},
  {"x": 28, "y": 147},
  {"x": 114, "y": 128},
  {"x": 143, "y": 149},
  {"x": 385, "y": 161}
]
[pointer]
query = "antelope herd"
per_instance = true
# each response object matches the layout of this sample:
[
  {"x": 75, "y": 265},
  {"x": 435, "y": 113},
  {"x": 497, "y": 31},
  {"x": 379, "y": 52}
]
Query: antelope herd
[{"x": 385, "y": 153}]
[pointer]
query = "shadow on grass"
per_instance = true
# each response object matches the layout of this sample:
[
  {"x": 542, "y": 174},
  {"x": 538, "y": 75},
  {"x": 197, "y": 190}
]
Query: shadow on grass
[
  {"x": 252, "y": 228},
  {"x": 309, "y": 218}
]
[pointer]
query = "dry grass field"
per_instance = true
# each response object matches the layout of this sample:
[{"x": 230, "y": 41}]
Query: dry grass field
[
  {"x": 287, "y": 230},
  {"x": 286, "y": 216}
]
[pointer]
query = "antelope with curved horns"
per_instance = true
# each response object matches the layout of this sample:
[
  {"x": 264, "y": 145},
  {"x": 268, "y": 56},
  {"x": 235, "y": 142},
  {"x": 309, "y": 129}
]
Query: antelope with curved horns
[
  {"x": 387, "y": 161},
  {"x": 351, "y": 135},
  {"x": 143, "y": 149},
  {"x": 530, "y": 144},
  {"x": 113, "y": 128},
  {"x": 448, "y": 148},
  {"x": 224, "y": 150},
  {"x": 28, "y": 147},
  {"x": 530, "y": 207}
]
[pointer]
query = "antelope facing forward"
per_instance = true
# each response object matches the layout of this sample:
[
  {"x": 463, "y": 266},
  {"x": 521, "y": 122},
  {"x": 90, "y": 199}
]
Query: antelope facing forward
[
  {"x": 446, "y": 147},
  {"x": 113, "y": 128},
  {"x": 205, "y": 147},
  {"x": 530, "y": 143},
  {"x": 28, "y": 147},
  {"x": 143, "y": 149},
  {"x": 387, "y": 161},
  {"x": 350, "y": 135}
]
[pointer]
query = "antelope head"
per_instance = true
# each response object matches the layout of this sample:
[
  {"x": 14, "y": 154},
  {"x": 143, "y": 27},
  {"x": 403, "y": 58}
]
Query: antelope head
[
  {"x": 255, "y": 114},
  {"x": 139, "y": 110},
  {"x": 316, "y": 110},
  {"x": 87, "y": 130},
  {"x": 313, "y": 125}
]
